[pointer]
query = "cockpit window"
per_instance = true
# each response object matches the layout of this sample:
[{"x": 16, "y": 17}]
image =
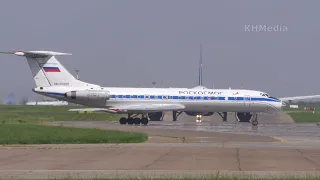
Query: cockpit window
[
  {"x": 274, "y": 98},
  {"x": 264, "y": 94}
]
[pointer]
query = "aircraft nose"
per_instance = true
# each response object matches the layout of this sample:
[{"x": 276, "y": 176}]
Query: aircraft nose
[{"x": 280, "y": 104}]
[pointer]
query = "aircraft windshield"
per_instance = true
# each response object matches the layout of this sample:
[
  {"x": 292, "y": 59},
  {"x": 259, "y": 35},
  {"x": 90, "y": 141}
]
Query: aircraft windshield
[
  {"x": 266, "y": 95},
  {"x": 274, "y": 98}
]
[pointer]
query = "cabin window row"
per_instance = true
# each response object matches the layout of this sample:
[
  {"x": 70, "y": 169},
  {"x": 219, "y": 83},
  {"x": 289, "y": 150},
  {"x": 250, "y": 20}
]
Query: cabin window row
[{"x": 170, "y": 97}]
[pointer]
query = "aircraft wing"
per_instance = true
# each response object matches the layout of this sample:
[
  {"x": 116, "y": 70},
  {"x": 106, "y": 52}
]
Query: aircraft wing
[
  {"x": 287, "y": 99},
  {"x": 135, "y": 108},
  {"x": 92, "y": 110}
]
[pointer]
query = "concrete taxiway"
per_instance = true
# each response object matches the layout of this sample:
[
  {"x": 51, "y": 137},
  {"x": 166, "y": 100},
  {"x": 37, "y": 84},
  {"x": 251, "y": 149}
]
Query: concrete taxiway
[{"x": 177, "y": 148}]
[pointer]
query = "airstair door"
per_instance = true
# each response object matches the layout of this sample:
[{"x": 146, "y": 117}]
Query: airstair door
[{"x": 247, "y": 100}]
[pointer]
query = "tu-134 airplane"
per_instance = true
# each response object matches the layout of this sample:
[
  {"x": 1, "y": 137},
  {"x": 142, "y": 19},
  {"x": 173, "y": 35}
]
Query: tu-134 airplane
[{"x": 53, "y": 80}]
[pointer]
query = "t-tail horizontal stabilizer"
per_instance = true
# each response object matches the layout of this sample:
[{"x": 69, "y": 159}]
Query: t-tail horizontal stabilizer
[{"x": 36, "y": 53}]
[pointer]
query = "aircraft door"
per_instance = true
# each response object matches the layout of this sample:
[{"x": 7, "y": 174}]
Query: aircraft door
[{"x": 247, "y": 100}]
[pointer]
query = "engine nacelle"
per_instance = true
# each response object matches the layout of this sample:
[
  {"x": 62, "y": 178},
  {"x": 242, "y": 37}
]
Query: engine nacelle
[
  {"x": 244, "y": 117},
  {"x": 199, "y": 113},
  {"x": 91, "y": 95},
  {"x": 155, "y": 116}
]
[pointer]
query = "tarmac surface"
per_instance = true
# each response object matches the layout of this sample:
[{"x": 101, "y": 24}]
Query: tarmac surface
[{"x": 183, "y": 147}]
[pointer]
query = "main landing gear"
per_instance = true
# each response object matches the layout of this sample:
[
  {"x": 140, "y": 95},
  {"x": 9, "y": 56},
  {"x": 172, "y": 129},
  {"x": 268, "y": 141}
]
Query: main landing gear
[
  {"x": 134, "y": 120},
  {"x": 254, "y": 120}
]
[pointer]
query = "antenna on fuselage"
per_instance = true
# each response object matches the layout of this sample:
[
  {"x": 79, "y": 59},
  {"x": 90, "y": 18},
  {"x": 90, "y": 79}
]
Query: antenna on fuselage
[{"x": 154, "y": 84}]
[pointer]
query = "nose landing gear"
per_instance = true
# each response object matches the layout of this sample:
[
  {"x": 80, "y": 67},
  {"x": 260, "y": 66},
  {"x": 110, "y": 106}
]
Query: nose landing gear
[{"x": 254, "y": 121}]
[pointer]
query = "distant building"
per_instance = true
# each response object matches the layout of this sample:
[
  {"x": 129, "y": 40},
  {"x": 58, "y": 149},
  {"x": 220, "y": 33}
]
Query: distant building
[{"x": 294, "y": 106}]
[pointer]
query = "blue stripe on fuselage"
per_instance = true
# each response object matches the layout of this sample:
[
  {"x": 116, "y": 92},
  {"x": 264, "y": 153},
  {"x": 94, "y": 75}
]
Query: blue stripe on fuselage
[
  {"x": 208, "y": 98},
  {"x": 56, "y": 94}
]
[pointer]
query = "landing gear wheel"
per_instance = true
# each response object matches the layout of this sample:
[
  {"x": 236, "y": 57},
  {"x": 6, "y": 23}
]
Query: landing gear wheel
[
  {"x": 123, "y": 120},
  {"x": 136, "y": 121},
  {"x": 144, "y": 121},
  {"x": 255, "y": 123},
  {"x": 130, "y": 121}
]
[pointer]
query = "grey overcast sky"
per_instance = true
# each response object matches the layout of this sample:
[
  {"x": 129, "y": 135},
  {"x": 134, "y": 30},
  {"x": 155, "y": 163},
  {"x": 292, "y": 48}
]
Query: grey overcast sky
[{"x": 133, "y": 42}]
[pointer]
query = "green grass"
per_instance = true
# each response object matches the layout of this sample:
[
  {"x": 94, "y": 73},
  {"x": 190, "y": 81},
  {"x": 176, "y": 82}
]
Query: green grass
[
  {"x": 38, "y": 114},
  {"x": 300, "y": 115},
  {"x": 20, "y": 125},
  {"x": 40, "y": 134},
  {"x": 305, "y": 117}
]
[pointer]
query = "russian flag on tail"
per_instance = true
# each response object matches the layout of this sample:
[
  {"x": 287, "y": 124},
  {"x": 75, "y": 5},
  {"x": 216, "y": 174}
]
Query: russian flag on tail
[{"x": 51, "y": 69}]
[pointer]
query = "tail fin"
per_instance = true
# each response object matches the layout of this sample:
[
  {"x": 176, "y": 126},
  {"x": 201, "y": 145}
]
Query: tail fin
[{"x": 47, "y": 70}]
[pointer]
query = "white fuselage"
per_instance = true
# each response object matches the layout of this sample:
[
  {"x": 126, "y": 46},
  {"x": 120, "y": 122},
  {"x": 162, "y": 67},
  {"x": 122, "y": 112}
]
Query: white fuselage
[{"x": 204, "y": 100}]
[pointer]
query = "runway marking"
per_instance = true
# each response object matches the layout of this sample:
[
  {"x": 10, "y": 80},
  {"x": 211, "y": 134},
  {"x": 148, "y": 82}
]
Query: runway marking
[{"x": 278, "y": 138}]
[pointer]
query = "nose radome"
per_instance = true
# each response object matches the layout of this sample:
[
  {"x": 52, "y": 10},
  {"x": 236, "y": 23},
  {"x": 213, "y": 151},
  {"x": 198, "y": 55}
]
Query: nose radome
[{"x": 279, "y": 105}]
